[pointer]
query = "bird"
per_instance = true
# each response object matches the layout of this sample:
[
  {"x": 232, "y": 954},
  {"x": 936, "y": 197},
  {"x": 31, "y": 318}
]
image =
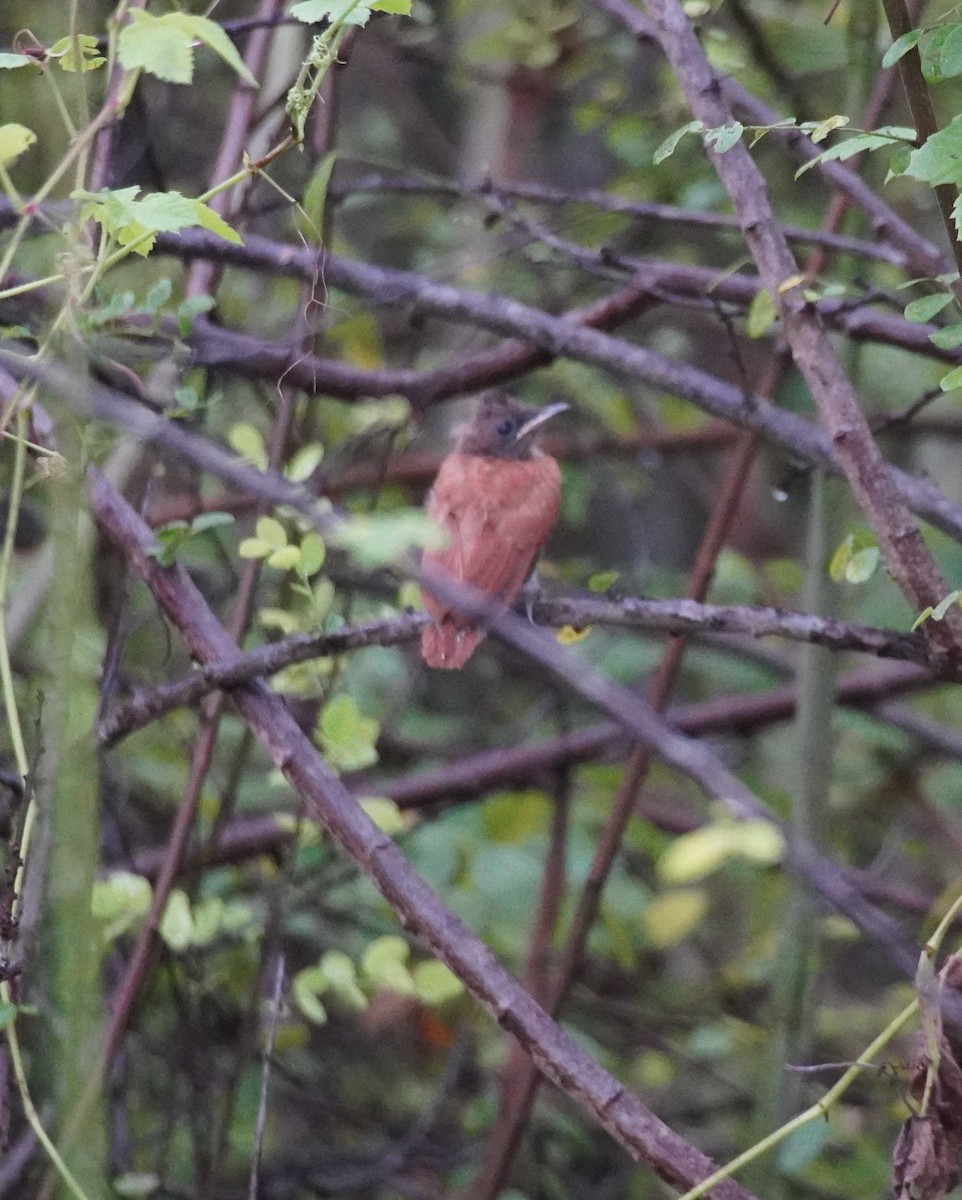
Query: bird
[{"x": 496, "y": 497}]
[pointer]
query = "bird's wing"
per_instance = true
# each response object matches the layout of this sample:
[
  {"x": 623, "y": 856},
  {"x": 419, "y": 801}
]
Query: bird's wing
[{"x": 492, "y": 544}]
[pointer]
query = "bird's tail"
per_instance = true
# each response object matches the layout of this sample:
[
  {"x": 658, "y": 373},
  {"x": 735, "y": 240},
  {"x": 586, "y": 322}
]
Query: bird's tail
[{"x": 448, "y": 646}]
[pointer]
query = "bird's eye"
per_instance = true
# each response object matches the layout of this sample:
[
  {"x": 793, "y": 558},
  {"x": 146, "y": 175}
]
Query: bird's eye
[{"x": 503, "y": 428}]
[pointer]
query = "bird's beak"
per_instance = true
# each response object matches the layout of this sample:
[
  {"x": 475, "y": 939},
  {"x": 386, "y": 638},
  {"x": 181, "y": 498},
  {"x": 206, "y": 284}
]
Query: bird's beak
[{"x": 539, "y": 418}]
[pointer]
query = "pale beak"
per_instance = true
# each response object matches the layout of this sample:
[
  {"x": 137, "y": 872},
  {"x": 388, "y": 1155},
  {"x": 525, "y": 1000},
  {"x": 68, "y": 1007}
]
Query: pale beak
[{"x": 539, "y": 418}]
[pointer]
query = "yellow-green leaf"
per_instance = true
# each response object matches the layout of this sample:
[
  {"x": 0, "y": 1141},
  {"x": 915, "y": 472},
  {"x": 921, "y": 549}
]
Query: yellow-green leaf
[
  {"x": 14, "y": 140},
  {"x": 670, "y": 917}
]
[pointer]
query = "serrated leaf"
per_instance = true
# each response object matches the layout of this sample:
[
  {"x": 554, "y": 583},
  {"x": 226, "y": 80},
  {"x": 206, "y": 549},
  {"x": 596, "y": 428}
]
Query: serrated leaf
[
  {"x": 670, "y": 917},
  {"x": 670, "y": 144},
  {"x": 63, "y": 51},
  {"x": 762, "y": 314},
  {"x": 435, "y": 983},
  {"x": 900, "y": 47},
  {"x": 211, "y": 34},
  {"x": 15, "y": 139},
  {"x": 926, "y": 307},
  {"x": 214, "y": 223},
  {"x": 346, "y": 736},
  {"x": 158, "y": 45},
  {"x": 952, "y": 380}
]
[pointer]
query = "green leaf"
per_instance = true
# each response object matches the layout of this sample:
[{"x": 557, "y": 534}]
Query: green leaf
[
  {"x": 435, "y": 983},
  {"x": 940, "y": 159},
  {"x": 862, "y": 565},
  {"x": 802, "y": 1146},
  {"x": 762, "y": 314},
  {"x": 272, "y": 532},
  {"x": 90, "y": 59},
  {"x": 133, "y": 222},
  {"x": 821, "y": 129},
  {"x": 382, "y": 538},
  {"x": 943, "y": 606},
  {"x": 400, "y": 8},
  {"x": 513, "y": 817},
  {"x": 932, "y": 69},
  {"x": 120, "y": 900},
  {"x": 14, "y": 140},
  {"x": 313, "y": 553},
  {"x": 670, "y": 144},
  {"x": 323, "y": 599},
  {"x": 246, "y": 440},
  {"x": 336, "y": 12},
  {"x": 900, "y": 47},
  {"x": 340, "y": 975},
  {"x": 697, "y": 854},
  {"x": 926, "y": 307},
  {"x": 210, "y": 520},
  {"x": 950, "y": 59},
  {"x": 384, "y": 962},
  {"x": 724, "y": 137},
  {"x": 157, "y": 296},
  {"x": 385, "y": 814},
  {"x": 306, "y": 986},
  {"x": 346, "y": 736},
  {"x": 210, "y": 33},
  {"x": 214, "y": 223},
  {"x": 177, "y": 924},
  {"x": 158, "y": 45},
  {"x": 314, "y": 199},
  {"x": 10, "y": 62},
  {"x": 922, "y": 618},
  {"x": 253, "y": 548},
  {"x": 671, "y": 917},
  {"x": 951, "y": 381},
  {"x": 305, "y": 462},
  {"x": 8, "y": 1014},
  {"x": 856, "y": 558},
  {"x": 947, "y": 338},
  {"x": 603, "y": 581},
  {"x": 848, "y": 148},
  {"x": 286, "y": 558},
  {"x": 136, "y": 1183}
]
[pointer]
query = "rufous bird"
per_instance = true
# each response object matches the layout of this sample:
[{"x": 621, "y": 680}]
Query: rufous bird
[{"x": 496, "y": 497}]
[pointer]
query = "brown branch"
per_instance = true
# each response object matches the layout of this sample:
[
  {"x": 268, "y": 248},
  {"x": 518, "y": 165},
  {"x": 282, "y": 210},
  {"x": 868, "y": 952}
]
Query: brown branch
[
  {"x": 664, "y": 616},
  {"x": 633, "y": 1125},
  {"x": 906, "y": 555},
  {"x": 556, "y": 336}
]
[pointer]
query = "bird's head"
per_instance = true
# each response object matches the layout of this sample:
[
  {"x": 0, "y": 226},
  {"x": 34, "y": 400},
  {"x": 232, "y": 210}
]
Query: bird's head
[{"x": 502, "y": 427}]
